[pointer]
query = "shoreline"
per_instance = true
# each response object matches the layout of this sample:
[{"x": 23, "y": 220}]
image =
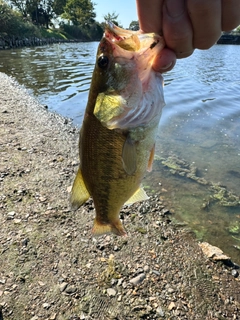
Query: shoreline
[
  {"x": 16, "y": 43},
  {"x": 51, "y": 266}
]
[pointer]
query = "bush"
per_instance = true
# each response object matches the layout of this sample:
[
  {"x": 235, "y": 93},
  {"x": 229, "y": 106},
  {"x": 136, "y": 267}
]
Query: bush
[
  {"x": 92, "y": 32},
  {"x": 12, "y": 24}
]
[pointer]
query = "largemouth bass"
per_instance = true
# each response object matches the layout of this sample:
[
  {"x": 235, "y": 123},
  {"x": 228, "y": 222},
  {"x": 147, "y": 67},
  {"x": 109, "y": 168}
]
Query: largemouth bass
[{"x": 117, "y": 138}]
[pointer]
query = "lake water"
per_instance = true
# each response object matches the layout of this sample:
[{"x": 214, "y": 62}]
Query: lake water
[{"x": 200, "y": 124}]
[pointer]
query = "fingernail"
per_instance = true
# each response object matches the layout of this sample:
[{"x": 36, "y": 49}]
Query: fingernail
[
  {"x": 167, "y": 66},
  {"x": 175, "y": 8}
]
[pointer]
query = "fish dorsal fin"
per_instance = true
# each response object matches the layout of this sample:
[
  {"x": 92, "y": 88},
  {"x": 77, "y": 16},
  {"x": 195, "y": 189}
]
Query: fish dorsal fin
[
  {"x": 129, "y": 156},
  {"x": 139, "y": 195},
  {"x": 79, "y": 193}
]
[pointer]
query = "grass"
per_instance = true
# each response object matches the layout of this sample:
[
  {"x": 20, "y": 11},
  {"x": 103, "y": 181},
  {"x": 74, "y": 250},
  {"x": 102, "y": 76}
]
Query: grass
[{"x": 53, "y": 33}]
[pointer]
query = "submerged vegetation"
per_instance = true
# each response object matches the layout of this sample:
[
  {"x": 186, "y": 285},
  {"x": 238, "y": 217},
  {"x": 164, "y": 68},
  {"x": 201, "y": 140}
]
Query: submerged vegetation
[{"x": 219, "y": 193}]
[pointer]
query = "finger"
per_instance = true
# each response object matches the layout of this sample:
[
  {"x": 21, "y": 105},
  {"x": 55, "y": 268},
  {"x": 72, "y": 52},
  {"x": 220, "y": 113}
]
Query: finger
[
  {"x": 230, "y": 14},
  {"x": 164, "y": 61},
  {"x": 149, "y": 14},
  {"x": 177, "y": 29},
  {"x": 205, "y": 16}
]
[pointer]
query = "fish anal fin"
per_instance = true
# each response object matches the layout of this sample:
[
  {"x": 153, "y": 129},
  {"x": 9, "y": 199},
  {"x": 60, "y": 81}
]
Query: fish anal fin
[
  {"x": 79, "y": 193},
  {"x": 129, "y": 156},
  {"x": 151, "y": 159},
  {"x": 115, "y": 227},
  {"x": 139, "y": 195}
]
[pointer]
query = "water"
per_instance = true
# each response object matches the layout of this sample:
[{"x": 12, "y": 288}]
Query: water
[{"x": 200, "y": 124}]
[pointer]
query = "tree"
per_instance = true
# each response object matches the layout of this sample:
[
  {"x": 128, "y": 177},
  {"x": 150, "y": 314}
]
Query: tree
[
  {"x": 12, "y": 24},
  {"x": 80, "y": 12},
  {"x": 134, "y": 25},
  {"x": 58, "y": 6},
  {"x": 40, "y": 11},
  {"x": 112, "y": 17}
]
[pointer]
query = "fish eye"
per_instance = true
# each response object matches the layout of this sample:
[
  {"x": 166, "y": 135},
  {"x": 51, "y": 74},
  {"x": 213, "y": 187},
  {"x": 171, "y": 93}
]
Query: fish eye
[{"x": 102, "y": 62}]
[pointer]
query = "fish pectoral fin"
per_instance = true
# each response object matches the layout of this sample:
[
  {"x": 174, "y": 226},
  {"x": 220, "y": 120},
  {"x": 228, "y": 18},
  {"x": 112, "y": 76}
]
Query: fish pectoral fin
[
  {"x": 139, "y": 195},
  {"x": 129, "y": 156},
  {"x": 151, "y": 159},
  {"x": 79, "y": 193},
  {"x": 115, "y": 227}
]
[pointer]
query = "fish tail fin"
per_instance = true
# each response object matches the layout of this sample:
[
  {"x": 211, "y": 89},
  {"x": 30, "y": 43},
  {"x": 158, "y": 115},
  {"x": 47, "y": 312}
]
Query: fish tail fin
[
  {"x": 115, "y": 227},
  {"x": 79, "y": 193}
]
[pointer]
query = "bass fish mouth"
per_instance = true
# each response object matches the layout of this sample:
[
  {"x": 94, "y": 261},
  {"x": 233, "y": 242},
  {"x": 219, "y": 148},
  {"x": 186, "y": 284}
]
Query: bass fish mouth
[
  {"x": 132, "y": 40},
  {"x": 133, "y": 89}
]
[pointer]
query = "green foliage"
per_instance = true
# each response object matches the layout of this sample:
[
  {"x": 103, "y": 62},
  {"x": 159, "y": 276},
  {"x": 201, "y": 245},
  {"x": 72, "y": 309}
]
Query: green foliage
[
  {"x": 113, "y": 17},
  {"x": 80, "y": 12},
  {"x": 33, "y": 18},
  {"x": 12, "y": 24},
  {"x": 58, "y": 6},
  {"x": 134, "y": 25},
  {"x": 40, "y": 11},
  {"x": 86, "y": 33},
  {"x": 52, "y": 33}
]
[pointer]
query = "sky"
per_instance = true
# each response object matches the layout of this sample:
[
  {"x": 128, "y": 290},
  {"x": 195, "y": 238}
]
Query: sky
[{"x": 125, "y": 8}]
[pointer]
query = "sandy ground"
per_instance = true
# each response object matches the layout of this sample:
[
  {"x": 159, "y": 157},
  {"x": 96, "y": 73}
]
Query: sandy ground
[{"x": 50, "y": 265}]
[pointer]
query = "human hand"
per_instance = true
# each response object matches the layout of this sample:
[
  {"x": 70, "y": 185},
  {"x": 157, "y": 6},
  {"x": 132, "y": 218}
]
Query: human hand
[{"x": 186, "y": 25}]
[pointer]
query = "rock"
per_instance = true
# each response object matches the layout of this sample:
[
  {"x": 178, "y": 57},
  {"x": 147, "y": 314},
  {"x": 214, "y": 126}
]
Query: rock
[
  {"x": 138, "y": 279},
  {"x": 213, "y": 252},
  {"x": 235, "y": 273},
  {"x": 63, "y": 286},
  {"x": 160, "y": 312},
  {"x": 111, "y": 292},
  {"x": 17, "y": 221},
  {"x": 10, "y": 215},
  {"x": 146, "y": 268},
  {"x": 70, "y": 289},
  {"x": 171, "y": 306},
  {"x": 157, "y": 273},
  {"x": 46, "y": 305}
]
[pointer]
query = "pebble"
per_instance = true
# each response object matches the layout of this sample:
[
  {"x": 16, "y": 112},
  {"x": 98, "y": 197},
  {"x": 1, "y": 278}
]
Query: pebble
[
  {"x": 70, "y": 289},
  {"x": 10, "y": 215},
  {"x": 160, "y": 312},
  {"x": 63, "y": 286},
  {"x": 138, "y": 279},
  {"x": 235, "y": 273},
  {"x": 46, "y": 305},
  {"x": 111, "y": 292},
  {"x": 146, "y": 268},
  {"x": 171, "y": 306},
  {"x": 17, "y": 221},
  {"x": 157, "y": 273}
]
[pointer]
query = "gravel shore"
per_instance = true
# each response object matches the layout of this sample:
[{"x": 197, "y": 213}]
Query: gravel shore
[{"x": 51, "y": 267}]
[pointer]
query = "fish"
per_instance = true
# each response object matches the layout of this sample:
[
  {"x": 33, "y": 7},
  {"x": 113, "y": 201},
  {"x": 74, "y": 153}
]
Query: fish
[{"x": 118, "y": 133}]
